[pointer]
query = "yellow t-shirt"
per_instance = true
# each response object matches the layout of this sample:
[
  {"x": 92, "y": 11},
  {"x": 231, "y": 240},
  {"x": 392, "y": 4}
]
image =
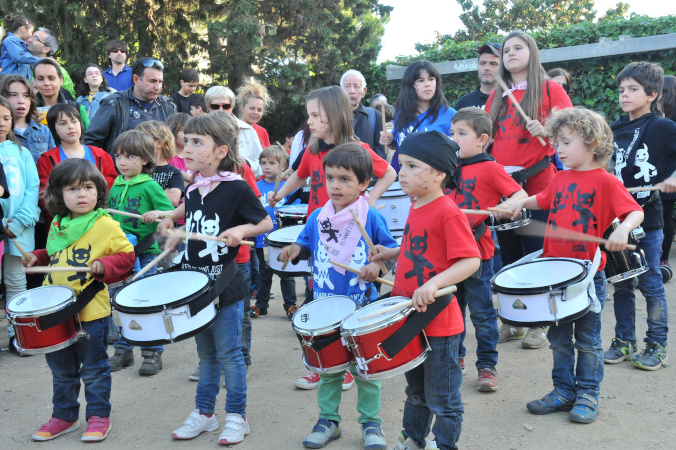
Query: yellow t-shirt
[{"x": 104, "y": 238}]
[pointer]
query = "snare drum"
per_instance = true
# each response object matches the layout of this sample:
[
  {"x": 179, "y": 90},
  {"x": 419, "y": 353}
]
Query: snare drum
[
  {"x": 176, "y": 260},
  {"x": 364, "y": 337},
  {"x": 544, "y": 291},
  {"x": 512, "y": 169},
  {"x": 317, "y": 325},
  {"x": 395, "y": 211},
  {"x": 23, "y": 311},
  {"x": 155, "y": 310},
  {"x": 508, "y": 224},
  {"x": 624, "y": 264},
  {"x": 276, "y": 241},
  {"x": 290, "y": 215}
]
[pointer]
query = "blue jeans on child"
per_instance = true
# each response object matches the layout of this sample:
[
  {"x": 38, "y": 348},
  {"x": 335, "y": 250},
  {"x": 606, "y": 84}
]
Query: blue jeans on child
[
  {"x": 288, "y": 285},
  {"x": 652, "y": 288},
  {"x": 434, "y": 390},
  {"x": 245, "y": 268},
  {"x": 476, "y": 294},
  {"x": 86, "y": 359},
  {"x": 220, "y": 346},
  {"x": 255, "y": 272},
  {"x": 144, "y": 259},
  {"x": 570, "y": 380}
]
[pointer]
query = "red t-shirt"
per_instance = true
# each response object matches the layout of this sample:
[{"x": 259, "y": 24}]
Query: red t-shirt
[
  {"x": 515, "y": 146},
  {"x": 482, "y": 185},
  {"x": 436, "y": 235},
  {"x": 311, "y": 166},
  {"x": 584, "y": 201},
  {"x": 243, "y": 254},
  {"x": 262, "y": 135}
]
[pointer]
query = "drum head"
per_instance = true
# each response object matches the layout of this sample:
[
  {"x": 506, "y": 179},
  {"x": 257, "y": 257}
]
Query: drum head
[
  {"x": 177, "y": 259},
  {"x": 354, "y": 322},
  {"x": 511, "y": 169},
  {"x": 284, "y": 236},
  {"x": 296, "y": 210},
  {"x": 323, "y": 314},
  {"x": 166, "y": 288},
  {"x": 39, "y": 300},
  {"x": 539, "y": 275}
]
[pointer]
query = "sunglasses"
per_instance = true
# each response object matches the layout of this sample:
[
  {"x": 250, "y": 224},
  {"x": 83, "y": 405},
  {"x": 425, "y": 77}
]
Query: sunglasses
[
  {"x": 152, "y": 63},
  {"x": 224, "y": 106},
  {"x": 118, "y": 50}
]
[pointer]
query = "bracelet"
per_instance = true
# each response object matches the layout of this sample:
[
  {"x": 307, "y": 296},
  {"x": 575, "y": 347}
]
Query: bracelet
[{"x": 169, "y": 216}]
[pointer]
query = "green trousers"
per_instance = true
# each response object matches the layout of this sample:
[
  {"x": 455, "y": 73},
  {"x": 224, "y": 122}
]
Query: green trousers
[{"x": 330, "y": 391}]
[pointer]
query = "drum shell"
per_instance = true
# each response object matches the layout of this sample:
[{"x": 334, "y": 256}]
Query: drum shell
[
  {"x": 275, "y": 249},
  {"x": 287, "y": 217},
  {"x": 508, "y": 224},
  {"x": 396, "y": 209},
  {"x": 333, "y": 358},
  {"x": 624, "y": 264}
]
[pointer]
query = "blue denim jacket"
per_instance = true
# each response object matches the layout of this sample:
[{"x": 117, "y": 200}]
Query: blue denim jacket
[
  {"x": 15, "y": 57},
  {"x": 93, "y": 106},
  {"x": 36, "y": 138}
]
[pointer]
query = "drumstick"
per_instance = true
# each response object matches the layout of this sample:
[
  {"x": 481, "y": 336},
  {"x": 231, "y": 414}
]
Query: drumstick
[
  {"x": 538, "y": 229},
  {"x": 381, "y": 206},
  {"x": 505, "y": 88},
  {"x": 407, "y": 304},
  {"x": 18, "y": 246},
  {"x": 366, "y": 237},
  {"x": 48, "y": 269},
  {"x": 500, "y": 211},
  {"x": 647, "y": 188},
  {"x": 479, "y": 212},
  {"x": 196, "y": 236},
  {"x": 128, "y": 214},
  {"x": 279, "y": 177},
  {"x": 382, "y": 113},
  {"x": 148, "y": 266},
  {"x": 353, "y": 270}
]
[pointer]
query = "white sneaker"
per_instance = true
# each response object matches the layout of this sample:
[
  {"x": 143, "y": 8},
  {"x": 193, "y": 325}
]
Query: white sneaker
[
  {"x": 195, "y": 374},
  {"x": 236, "y": 427},
  {"x": 196, "y": 424}
]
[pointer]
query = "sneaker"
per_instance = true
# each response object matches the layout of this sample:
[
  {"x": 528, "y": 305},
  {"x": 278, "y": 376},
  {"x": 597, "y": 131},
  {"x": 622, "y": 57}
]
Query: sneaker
[
  {"x": 291, "y": 311},
  {"x": 488, "y": 380},
  {"x": 121, "y": 359},
  {"x": 54, "y": 428},
  {"x": 195, "y": 374},
  {"x": 152, "y": 363},
  {"x": 406, "y": 443},
  {"x": 309, "y": 381},
  {"x": 373, "y": 435},
  {"x": 234, "y": 430},
  {"x": 258, "y": 312},
  {"x": 97, "y": 429},
  {"x": 586, "y": 409},
  {"x": 348, "y": 380},
  {"x": 535, "y": 338},
  {"x": 550, "y": 403},
  {"x": 508, "y": 332},
  {"x": 619, "y": 351},
  {"x": 652, "y": 358},
  {"x": 324, "y": 432},
  {"x": 461, "y": 363},
  {"x": 196, "y": 424}
]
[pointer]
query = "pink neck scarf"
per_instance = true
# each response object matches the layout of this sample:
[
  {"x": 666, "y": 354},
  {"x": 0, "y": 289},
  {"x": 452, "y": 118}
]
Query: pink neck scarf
[
  {"x": 206, "y": 182},
  {"x": 338, "y": 231},
  {"x": 519, "y": 87}
]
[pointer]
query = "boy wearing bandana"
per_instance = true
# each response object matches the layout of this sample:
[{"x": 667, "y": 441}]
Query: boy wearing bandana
[{"x": 331, "y": 233}]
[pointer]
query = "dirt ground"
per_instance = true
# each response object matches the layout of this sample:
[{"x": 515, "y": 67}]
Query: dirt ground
[{"x": 636, "y": 407}]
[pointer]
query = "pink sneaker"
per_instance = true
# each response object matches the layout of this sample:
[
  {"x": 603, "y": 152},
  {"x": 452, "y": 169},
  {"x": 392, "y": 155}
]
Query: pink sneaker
[
  {"x": 97, "y": 429},
  {"x": 348, "y": 380},
  {"x": 309, "y": 381},
  {"x": 54, "y": 428}
]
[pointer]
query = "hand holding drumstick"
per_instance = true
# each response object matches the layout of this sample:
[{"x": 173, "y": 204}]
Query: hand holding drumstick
[{"x": 534, "y": 127}]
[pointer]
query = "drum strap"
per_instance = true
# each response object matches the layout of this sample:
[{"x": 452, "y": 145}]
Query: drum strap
[
  {"x": 144, "y": 245},
  {"x": 86, "y": 296},
  {"x": 415, "y": 323},
  {"x": 321, "y": 343},
  {"x": 524, "y": 174},
  {"x": 479, "y": 231}
]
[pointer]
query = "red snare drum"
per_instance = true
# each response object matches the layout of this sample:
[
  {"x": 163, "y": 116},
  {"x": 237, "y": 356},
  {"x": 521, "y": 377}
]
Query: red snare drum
[
  {"x": 364, "y": 337},
  {"x": 317, "y": 323},
  {"x": 23, "y": 311}
]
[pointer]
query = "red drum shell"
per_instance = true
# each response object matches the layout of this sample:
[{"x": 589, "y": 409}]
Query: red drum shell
[
  {"x": 333, "y": 358},
  {"x": 31, "y": 340}
]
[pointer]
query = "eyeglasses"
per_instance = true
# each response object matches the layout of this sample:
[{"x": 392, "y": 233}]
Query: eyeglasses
[
  {"x": 224, "y": 106},
  {"x": 36, "y": 38},
  {"x": 118, "y": 50},
  {"x": 152, "y": 63}
]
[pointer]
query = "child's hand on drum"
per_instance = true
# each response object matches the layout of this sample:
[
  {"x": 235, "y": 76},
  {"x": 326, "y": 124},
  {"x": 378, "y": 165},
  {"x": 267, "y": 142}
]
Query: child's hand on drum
[
  {"x": 384, "y": 254},
  {"x": 32, "y": 259},
  {"x": 516, "y": 208},
  {"x": 369, "y": 272},
  {"x": 290, "y": 252},
  {"x": 232, "y": 236},
  {"x": 424, "y": 296},
  {"x": 97, "y": 268},
  {"x": 273, "y": 199},
  {"x": 617, "y": 241}
]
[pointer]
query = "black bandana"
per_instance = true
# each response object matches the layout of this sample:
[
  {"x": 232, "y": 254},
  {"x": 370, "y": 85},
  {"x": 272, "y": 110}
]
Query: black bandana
[{"x": 433, "y": 148}]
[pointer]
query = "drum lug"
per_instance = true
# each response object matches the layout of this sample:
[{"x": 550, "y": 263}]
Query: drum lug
[
  {"x": 382, "y": 352},
  {"x": 552, "y": 304},
  {"x": 168, "y": 324}
]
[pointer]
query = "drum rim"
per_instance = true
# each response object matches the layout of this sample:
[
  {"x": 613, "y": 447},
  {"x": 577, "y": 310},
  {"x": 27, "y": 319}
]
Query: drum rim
[
  {"x": 540, "y": 289},
  {"x": 52, "y": 348},
  {"x": 41, "y": 312},
  {"x": 278, "y": 244},
  {"x": 391, "y": 373},
  {"x": 324, "y": 330},
  {"x": 367, "y": 329},
  {"x": 157, "y": 308}
]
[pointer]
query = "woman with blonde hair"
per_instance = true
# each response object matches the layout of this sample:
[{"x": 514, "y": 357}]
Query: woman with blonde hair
[{"x": 253, "y": 100}]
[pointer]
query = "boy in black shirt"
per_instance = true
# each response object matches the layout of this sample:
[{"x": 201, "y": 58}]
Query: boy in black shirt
[{"x": 189, "y": 79}]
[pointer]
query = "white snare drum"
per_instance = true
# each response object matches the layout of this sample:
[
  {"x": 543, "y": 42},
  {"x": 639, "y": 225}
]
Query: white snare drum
[
  {"x": 276, "y": 242},
  {"x": 511, "y": 169},
  {"x": 24, "y": 311},
  {"x": 155, "y": 310},
  {"x": 544, "y": 291},
  {"x": 395, "y": 211},
  {"x": 290, "y": 215},
  {"x": 507, "y": 224},
  {"x": 317, "y": 324},
  {"x": 364, "y": 338}
]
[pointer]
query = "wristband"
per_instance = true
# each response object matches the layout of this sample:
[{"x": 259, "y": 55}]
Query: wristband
[{"x": 169, "y": 216}]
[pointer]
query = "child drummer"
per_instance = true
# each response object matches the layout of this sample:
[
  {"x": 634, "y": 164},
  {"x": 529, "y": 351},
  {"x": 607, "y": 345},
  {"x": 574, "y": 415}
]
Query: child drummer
[
  {"x": 438, "y": 250},
  {"x": 331, "y": 233},
  {"x": 585, "y": 199}
]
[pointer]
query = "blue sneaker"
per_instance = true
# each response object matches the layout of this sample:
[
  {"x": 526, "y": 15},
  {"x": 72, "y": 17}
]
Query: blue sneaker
[
  {"x": 652, "y": 358},
  {"x": 374, "y": 438},
  {"x": 550, "y": 403},
  {"x": 586, "y": 409},
  {"x": 324, "y": 432}
]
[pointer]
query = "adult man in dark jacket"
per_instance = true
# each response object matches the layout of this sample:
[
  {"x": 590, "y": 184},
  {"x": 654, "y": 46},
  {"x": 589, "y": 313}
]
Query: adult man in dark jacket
[
  {"x": 368, "y": 122},
  {"x": 125, "y": 110},
  {"x": 489, "y": 67}
]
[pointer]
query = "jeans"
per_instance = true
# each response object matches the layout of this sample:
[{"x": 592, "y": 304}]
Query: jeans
[
  {"x": 652, "y": 288},
  {"x": 497, "y": 257},
  {"x": 476, "y": 293},
  {"x": 86, "y": 359},
  {"x": 245, "y": 268},
  {"x": 515, "y": 246},
  {"x": 434, "y": 390},
  {"x": 288, "y": 285},
  {"x": 144, "y": 259},
  {"x": 668, "y": 213},
  {"x": 330, "y": 391},
  {"x": 255, "y": 271},
  {"x": 220, "y": 346},
  {"x": 570, "y": 380},
  {"x": 15, "y": 281}
]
